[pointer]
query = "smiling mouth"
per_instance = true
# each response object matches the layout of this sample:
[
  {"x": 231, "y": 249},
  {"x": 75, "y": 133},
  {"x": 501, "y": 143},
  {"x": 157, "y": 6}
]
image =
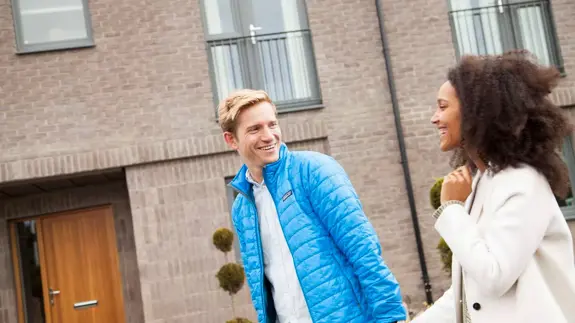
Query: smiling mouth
[
  {"x": 268, "y": 148},
  {"x": 442, "y": 131}
]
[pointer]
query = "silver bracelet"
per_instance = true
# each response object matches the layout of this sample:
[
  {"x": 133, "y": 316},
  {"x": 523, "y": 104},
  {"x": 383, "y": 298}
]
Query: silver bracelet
[{"x": 439, "y": 210}]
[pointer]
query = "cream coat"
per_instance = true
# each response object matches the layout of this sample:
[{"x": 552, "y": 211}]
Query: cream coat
[{"x": 515, "y": 250}]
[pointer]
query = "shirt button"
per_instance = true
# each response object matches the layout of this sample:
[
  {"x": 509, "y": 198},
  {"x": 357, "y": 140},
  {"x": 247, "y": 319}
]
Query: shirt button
[{"x": 476, "y": 306}]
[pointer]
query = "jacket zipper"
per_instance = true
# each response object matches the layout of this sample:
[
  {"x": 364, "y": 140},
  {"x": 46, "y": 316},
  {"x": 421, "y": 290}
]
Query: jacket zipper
[
  {"x": 264, "y": 298},
  {"x": 290, "y": 250}
]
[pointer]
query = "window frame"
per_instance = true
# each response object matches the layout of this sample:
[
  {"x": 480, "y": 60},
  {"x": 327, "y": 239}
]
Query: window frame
[
  {"x": 569, "y": 155},
  {"x": 551, "y": 37},
  {"x": 22, "y": 48},
  {"x": 240, "y": 15}
]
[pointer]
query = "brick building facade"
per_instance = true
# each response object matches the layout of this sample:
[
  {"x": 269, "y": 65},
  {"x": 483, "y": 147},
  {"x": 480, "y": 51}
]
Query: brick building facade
[{"x": 113, "y": 103}]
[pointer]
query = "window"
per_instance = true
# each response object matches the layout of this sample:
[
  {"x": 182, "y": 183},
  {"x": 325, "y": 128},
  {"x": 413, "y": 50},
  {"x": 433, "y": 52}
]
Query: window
[
  {"x": 568, "y": 204},
  {"x": 51, "y": 24},
  {"x": 262, "y": 44},
  {"x": 495, "y": 26},
  {"x": 231, "y": 195}
]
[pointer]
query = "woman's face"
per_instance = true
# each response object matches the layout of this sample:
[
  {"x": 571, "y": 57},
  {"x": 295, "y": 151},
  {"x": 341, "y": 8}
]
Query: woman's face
[{"x": 447, "y": 117}]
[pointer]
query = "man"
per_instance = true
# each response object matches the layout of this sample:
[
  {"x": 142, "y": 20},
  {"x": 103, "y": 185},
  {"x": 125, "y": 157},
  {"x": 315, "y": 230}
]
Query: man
[{"x": 309, "y": 252}]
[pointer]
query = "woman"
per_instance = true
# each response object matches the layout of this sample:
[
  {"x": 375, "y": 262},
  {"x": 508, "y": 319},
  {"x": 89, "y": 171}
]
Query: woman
[{"x": 512, "y": 249}]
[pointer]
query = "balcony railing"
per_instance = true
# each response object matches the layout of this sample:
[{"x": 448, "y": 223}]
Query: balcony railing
[
  {"x": 496, "y": 29},
  {"x": 282, "y": 64}
]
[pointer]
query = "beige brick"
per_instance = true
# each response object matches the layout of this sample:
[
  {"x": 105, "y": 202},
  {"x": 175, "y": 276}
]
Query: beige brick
[{"x": 142, "y": 97}]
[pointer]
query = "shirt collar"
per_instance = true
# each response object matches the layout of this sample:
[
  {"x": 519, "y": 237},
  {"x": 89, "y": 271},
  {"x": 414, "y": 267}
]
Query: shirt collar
[{"x": 253, "y": 181}]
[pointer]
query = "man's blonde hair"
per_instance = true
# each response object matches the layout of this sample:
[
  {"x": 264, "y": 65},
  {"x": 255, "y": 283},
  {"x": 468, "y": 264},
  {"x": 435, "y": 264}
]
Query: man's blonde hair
[{"x": 229, "y": 109}]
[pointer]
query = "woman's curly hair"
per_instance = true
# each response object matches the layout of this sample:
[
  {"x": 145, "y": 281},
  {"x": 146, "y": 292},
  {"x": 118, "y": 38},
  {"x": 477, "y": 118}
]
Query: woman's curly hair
[{"x": 507, "y": 117}]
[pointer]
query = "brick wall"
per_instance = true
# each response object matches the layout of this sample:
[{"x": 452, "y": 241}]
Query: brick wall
[
  {"x": 421, "y": 51},
  {"x": 70, "y": 199},
  {"x": 360, "y": 124},
  {"x": 143, "y": 95}
]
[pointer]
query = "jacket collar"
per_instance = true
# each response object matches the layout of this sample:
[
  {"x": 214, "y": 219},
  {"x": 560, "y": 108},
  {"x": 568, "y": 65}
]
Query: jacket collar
[
  {"x": 240, "y": 181},
  {"x": 270, "y": 170}
]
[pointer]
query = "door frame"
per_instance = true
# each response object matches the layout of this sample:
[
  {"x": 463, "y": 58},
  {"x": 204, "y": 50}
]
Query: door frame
[
  {"x": 17, "y": 268},
  {"x": 41, "y": 255}
]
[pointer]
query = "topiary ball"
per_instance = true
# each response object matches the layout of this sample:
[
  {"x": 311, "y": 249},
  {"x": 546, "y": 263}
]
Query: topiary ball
[
  {"x": 445, "y": 254},
  {"x": 223, "y": 239},
  {"x": 231, "y": 277},
  {"x": 435, "y": 194},
  {"x": 239, "y": 320}
]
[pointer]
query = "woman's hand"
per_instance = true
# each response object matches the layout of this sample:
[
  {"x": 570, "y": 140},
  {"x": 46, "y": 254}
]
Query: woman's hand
[{"x": 456, "y": 185}]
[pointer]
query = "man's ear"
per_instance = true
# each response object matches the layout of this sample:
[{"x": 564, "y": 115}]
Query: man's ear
[{"x": 231, "y": 140}]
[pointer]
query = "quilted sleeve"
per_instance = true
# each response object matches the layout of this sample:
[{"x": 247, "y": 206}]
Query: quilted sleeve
[
  {"x": 336, "y": 203},
  {"x": 238, "y": 226}
]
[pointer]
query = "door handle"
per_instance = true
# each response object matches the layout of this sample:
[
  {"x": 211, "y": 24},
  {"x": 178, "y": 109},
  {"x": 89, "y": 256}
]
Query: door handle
[
  {"x": 91, "y": 303},
  {"x": 52, "y": 292},
  {"x": 253, "y": 30}
]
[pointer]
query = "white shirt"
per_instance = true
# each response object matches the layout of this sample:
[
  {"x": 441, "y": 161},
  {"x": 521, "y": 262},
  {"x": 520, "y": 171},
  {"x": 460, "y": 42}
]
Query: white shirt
[{"x": 279, "y": 268}]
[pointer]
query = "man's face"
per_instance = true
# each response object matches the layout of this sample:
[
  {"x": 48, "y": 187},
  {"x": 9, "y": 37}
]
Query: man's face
[{"x": 258, "y": 136}]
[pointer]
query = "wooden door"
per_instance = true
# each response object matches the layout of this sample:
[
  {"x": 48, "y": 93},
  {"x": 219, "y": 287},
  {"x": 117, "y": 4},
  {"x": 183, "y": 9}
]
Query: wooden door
[{"x": 81, "y": 272}]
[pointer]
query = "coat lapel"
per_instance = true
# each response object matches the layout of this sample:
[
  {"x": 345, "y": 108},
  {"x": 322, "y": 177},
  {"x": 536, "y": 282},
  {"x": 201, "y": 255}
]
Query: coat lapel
[
  {"x": 456, "y": 285},
  {"x": 475, "y": 207},
  {"x": 456, "y": 270}
]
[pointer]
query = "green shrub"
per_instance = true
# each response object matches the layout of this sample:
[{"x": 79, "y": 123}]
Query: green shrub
[
  {"x": 446, "y": 255},
  {"x": 239, "y": 320},
  {"x": 223, "y": 239},
  {"x": 444, "y": 251},
  {"x": 231, "y": 277},
  {"x": 435, "y": 194}
]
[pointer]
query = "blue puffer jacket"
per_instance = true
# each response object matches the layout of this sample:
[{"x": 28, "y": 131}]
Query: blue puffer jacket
[{"x": 335, "y": 249}]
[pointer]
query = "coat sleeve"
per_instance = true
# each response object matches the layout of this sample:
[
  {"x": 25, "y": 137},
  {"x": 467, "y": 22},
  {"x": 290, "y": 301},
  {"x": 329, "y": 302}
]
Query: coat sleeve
[
  {"x": 336, "y": 203},
  {"x": 496, "y": 256},
  {"x": 442, "y": 311}
]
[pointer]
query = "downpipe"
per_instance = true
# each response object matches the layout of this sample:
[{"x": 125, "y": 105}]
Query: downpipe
[{"x": 403, "y": 153}]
